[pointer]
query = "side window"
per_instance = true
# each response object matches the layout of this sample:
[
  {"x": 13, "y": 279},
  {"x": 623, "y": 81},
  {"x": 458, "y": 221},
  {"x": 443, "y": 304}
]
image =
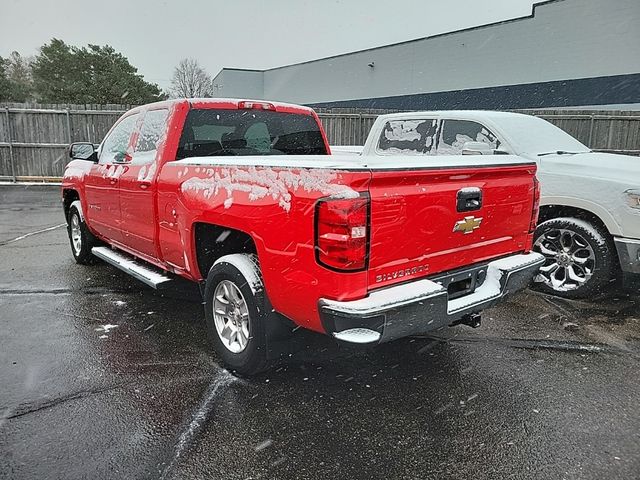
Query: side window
[
  {"x": 152, "y": 130},
  {"x": 258, "y": 138},
  {"x": 455, "y": 133},
  {"x": 409, "y": 137},
  {"x": 115, "y": 145}
]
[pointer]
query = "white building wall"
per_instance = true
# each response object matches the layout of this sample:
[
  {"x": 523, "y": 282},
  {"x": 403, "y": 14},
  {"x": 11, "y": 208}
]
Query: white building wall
[
  {"x": 237, "y": 83},
  {"x": 565, "y": 40}
]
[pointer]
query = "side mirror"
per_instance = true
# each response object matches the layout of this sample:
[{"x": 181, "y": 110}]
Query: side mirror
[
  {"x": 476, "y": 148},
  {"x": 83, "y": 151}
]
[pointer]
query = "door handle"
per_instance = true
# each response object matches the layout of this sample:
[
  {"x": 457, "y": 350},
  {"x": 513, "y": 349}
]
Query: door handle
[{"x": 469, "y": 199}]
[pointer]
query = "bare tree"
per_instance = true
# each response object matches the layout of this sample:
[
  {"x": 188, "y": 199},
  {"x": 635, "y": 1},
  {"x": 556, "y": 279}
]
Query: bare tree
[{"x": 190, "y": 80}]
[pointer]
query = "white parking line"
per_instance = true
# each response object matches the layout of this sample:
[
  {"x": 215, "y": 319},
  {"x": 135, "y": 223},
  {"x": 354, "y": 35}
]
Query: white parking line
[
  {"x": 198, "y": 418},
  {"x": 21, "y": 237}
]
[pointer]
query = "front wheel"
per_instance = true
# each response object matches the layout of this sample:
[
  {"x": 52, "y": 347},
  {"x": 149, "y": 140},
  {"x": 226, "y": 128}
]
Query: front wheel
[
  {"x": 579, "y": 258},
  {"x": 235, "y": 313},
  {"x": 81, "y": 239}
]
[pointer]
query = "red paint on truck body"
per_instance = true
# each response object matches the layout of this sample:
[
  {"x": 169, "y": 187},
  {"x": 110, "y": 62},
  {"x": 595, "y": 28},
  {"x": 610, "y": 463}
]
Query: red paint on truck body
[{"x": 412, "y": 216}]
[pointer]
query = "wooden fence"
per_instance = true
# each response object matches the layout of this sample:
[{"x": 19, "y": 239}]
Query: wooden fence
[{"x": 34, "y": 138}]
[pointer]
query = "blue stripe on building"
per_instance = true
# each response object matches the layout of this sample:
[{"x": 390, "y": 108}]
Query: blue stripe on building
[{"x": 617, "y": 89}]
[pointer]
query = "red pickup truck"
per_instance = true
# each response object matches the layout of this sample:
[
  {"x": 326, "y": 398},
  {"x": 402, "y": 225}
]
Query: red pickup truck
[{"x": 245, "y": 198}]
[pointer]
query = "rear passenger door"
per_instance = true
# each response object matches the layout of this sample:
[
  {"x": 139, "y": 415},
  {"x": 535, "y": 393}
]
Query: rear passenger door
[{"x": 138, "y": 185}]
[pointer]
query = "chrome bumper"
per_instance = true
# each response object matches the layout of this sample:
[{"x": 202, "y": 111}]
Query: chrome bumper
[
  {"x": 423, "y": 305},
  {"x": 628, "y": 254}
]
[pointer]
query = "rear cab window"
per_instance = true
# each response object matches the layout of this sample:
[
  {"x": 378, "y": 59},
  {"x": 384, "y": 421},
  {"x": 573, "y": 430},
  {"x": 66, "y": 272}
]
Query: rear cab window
[{"x": 219, "y": 132}]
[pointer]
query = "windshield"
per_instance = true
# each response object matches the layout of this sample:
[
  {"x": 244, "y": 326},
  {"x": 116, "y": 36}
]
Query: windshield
[{"x": 534, "y": 135}]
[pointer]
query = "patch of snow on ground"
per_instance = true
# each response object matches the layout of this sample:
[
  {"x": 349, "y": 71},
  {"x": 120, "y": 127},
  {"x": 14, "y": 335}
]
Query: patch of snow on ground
[{"x": 106, "y": 328}]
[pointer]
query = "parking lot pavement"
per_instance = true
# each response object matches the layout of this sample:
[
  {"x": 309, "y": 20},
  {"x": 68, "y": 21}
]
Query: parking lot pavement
[{"x": 101, "y": 377}]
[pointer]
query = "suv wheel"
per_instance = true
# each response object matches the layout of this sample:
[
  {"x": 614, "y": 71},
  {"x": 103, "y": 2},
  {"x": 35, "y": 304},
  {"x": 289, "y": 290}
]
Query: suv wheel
[{"x": 579, "y": 258}]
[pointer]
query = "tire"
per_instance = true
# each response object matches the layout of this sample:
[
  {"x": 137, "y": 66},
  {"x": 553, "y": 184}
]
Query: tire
[
  {"x": 243, "y": 302},
  {"x": 80, "y": 238},
  {"x": 580, "y": 258}
]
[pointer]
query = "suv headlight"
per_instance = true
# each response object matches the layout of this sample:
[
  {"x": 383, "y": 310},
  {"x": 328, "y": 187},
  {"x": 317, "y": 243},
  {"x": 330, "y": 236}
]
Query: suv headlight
[{"x": 633, "y": 198}]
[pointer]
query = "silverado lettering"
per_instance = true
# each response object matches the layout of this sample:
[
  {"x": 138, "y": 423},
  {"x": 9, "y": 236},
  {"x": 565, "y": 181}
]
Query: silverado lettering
[{"x": 401, "y": 273}]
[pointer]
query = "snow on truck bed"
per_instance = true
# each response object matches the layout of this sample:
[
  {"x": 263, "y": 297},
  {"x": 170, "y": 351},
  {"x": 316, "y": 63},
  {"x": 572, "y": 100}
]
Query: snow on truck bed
[{"x": 353, "y": 162}]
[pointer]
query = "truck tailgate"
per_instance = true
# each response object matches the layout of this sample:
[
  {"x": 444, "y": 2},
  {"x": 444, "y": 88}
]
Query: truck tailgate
[{"x": 425, "y": 221}]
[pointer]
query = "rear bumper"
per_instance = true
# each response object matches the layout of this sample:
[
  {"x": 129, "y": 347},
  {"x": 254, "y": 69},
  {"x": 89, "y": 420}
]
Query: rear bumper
[
  {"x": 629, "y": 254},
  {"x": 423, "y": 305}
]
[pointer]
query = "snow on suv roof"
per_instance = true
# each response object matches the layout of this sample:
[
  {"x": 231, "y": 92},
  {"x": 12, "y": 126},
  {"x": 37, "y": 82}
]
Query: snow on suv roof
[{"x": 466, "y": 114}]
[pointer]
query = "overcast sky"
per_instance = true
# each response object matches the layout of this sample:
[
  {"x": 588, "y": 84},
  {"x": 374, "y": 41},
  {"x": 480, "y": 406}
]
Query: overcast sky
[{"x": 155, "y": 35}]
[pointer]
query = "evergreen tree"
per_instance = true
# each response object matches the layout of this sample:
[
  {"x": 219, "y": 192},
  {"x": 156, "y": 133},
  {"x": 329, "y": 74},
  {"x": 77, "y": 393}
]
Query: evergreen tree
[
  {"x": 15, "y": 79},
  {"x": 19, "y": 74},
  {"x": 5, "y": 85},
  {"x": 66, "y": 74}
]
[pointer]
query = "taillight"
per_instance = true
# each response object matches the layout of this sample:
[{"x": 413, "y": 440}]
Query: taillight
[
  {"x": 342, "y": 233},
  {"x": 536, "y": 205},
  {"x": 247, "y": 105}
]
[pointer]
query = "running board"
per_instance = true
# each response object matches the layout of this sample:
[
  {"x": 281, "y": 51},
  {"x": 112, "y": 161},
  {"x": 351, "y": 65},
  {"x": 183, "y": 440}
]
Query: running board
[{"x": 147, "y": 274}]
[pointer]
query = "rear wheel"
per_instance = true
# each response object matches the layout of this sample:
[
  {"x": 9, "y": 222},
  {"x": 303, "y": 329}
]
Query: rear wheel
[
  {"x": 235, "y": 313},
  {"x": 81, "y": 239},
  {"x": 579, "y": 259}
]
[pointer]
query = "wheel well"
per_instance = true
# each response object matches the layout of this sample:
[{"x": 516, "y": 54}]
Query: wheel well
[
  {"x": 69, "y": 196},
  {"x": 547, "y": 212},
  {"x": 215, "y": 241}
]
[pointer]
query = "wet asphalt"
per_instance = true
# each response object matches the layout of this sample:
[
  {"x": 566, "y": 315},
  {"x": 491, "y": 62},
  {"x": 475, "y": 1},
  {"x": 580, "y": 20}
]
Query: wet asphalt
[{"x": 102, "y": 378}]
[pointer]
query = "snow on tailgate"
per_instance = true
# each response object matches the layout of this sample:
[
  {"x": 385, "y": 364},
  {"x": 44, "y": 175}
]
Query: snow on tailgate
[{"x": 261, "y": 182}]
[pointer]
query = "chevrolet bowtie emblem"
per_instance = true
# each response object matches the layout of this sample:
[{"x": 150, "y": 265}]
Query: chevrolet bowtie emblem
[{"x": 468, "y": 225}]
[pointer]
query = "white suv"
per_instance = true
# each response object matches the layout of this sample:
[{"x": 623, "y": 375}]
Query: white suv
[{"x": 589, "y": 227}]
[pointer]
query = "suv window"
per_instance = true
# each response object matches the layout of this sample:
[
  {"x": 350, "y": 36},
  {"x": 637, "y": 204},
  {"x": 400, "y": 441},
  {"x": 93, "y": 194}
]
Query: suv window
[
  {"x": 152, "y": 130},
  {"x": 114, "y": 146},
  {"x": 455, "y": 133},
  {"x": 413, "y": 137},
  {"x": 209, "y": 132}
]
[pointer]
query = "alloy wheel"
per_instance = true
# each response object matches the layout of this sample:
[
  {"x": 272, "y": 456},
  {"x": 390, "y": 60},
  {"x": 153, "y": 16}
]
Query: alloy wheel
[
  {"x": 231, "y": 316},
  {"x": 76, "y": 234},
  {"x": 569, "y": 259}
]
